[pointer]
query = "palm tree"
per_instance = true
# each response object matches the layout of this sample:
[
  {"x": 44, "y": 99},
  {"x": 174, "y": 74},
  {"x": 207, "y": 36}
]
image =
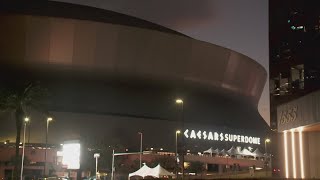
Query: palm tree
[{"x": 19, "y": 99}]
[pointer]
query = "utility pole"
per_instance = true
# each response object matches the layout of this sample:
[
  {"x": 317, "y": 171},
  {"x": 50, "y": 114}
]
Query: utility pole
[{"x": 141, "y": 138}]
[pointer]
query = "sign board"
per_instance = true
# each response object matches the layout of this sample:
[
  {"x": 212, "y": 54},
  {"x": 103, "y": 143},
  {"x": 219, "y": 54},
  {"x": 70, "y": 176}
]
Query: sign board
[
  {"x": 219, "y": 136},
  {"x": 71, "y": 155},
  {"x": 300, "y": 112}
]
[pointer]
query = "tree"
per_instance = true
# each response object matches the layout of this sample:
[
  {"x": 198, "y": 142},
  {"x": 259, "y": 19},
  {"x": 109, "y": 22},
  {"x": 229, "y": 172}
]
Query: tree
[{"x": 19, "y": 99}]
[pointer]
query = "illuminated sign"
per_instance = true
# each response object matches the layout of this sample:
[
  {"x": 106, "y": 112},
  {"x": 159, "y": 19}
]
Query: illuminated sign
[
  {"x": 215, "y": 136},
  {"x": 71, "y": 155}
]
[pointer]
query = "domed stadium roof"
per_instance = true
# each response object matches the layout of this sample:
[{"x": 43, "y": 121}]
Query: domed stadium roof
[{"x": 74, "y": 11}]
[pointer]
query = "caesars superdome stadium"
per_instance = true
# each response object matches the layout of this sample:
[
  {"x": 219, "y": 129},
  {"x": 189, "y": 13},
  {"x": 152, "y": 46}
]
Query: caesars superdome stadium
[{"x": 111, "y": 75}]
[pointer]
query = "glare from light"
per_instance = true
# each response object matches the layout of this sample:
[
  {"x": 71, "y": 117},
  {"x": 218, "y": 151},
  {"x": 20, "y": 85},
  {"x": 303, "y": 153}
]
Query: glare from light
[
  {"x": 179, "y": 101},
  {"x": 178, "y": 131},
  {"x": 293, "y": 154},
  {"x": 26, "y": 119},
  {"x": 71, "y": 155},
  {"x": 49, "y": 119},
  {"x": 301, "y": 153},
  {"x": 151, "y": 149},
  {"x": 96, "y": 155},
  {"x": 161, "y": 149},
  {"x": 268, "y": 140},
  {"x": 286, "y": 153}
]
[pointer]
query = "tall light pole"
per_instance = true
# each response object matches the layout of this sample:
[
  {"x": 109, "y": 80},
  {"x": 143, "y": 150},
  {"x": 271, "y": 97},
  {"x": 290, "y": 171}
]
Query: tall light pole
[
  {"x": 112, "y": 166},
  {"x": 265, "y": 148},
  {"x": 265, "y": 144},
  {"x": 49, "y": 119},
  {"x": 26, "y": 120},
  {"x": 177, "y": 132},
  {"x": 180, "y": 102},
  {"x": 96, "y": 156},
  {"x": 141, "y": 138}
]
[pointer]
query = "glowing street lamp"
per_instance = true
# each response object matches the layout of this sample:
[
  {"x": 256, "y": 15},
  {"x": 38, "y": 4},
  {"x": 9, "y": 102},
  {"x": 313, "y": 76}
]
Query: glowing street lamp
[
  {"x": 179, "y": 101},
  {"x": 265, "y": 143},
  {"x": 265, "y": 148},
  {"x": 96, "y": 156},
  {"x": 26, "y": 120},
  {"x": 49, "y": 119}
]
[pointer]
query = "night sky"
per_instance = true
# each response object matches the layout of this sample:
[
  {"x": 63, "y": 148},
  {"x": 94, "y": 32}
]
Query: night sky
[{"x": 239, "y": 25}]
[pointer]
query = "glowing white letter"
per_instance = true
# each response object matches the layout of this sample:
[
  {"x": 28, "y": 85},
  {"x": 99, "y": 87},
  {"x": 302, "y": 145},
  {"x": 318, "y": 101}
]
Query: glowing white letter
[
  {"x": 193, "y": 134},
  {"x": 210, "y": 136}
]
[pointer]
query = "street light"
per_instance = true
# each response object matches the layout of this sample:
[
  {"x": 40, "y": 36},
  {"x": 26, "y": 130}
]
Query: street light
[
  {"x": 49, "y": 119},
  {"x": 96, "y": 155},
  {"x": 26, "y": 120},
  {"x": 265, "y": 144},
  {"x": 177, "y": 132},
  {"x": 179, "y": 101},
  {"x": 141, "y": 136},
  {"x": 265, "y": 148}
]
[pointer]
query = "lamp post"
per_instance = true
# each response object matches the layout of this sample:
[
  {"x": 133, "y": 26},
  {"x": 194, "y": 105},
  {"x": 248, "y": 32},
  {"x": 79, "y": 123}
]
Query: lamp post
[
  {"x": 49, "y": 119},
  {"x": 180, "y": 102},
  {"x": 265, "y": 144},
  {"x": 141, "y": 138},
  {"x": 265, "y": 148},
  {"x": 177, "y": 132},
  {"x": 96, "y": 156},
  {"x": 26, "y": 120},
  {"x": 112, "y": 166}
]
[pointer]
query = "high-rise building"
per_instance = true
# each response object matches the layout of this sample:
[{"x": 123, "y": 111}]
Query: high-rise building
[
  {"x": 294, "y": 85},
  {"x": 294, "y": 51}
]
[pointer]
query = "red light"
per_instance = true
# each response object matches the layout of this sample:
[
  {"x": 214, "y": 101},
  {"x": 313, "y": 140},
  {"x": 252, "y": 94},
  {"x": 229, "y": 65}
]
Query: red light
[
  {"x": 278, "y": 170},
  {"x": 274, "y": 170}
]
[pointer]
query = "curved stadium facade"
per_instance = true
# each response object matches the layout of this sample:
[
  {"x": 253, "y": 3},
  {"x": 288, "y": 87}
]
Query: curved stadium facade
[{"x": 105, "y": 66}]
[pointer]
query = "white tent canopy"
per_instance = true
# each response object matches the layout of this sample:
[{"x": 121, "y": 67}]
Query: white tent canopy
[
  {"x": 216, "y": 151},
  {"x": 223, "y": 152},
  {"x": 211, "y": 151},
  {"x": 143, "y": 171},
  {"x": 233, "y": 151},
  {"x": 159, "y": 171},
  {"x": 246, "y": 152},
  {"x": 155, "y": 172}
]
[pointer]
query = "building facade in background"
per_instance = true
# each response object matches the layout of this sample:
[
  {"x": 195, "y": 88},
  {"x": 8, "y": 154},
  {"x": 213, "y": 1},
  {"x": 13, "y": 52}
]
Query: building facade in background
[{"x": 294, "y": 85}]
